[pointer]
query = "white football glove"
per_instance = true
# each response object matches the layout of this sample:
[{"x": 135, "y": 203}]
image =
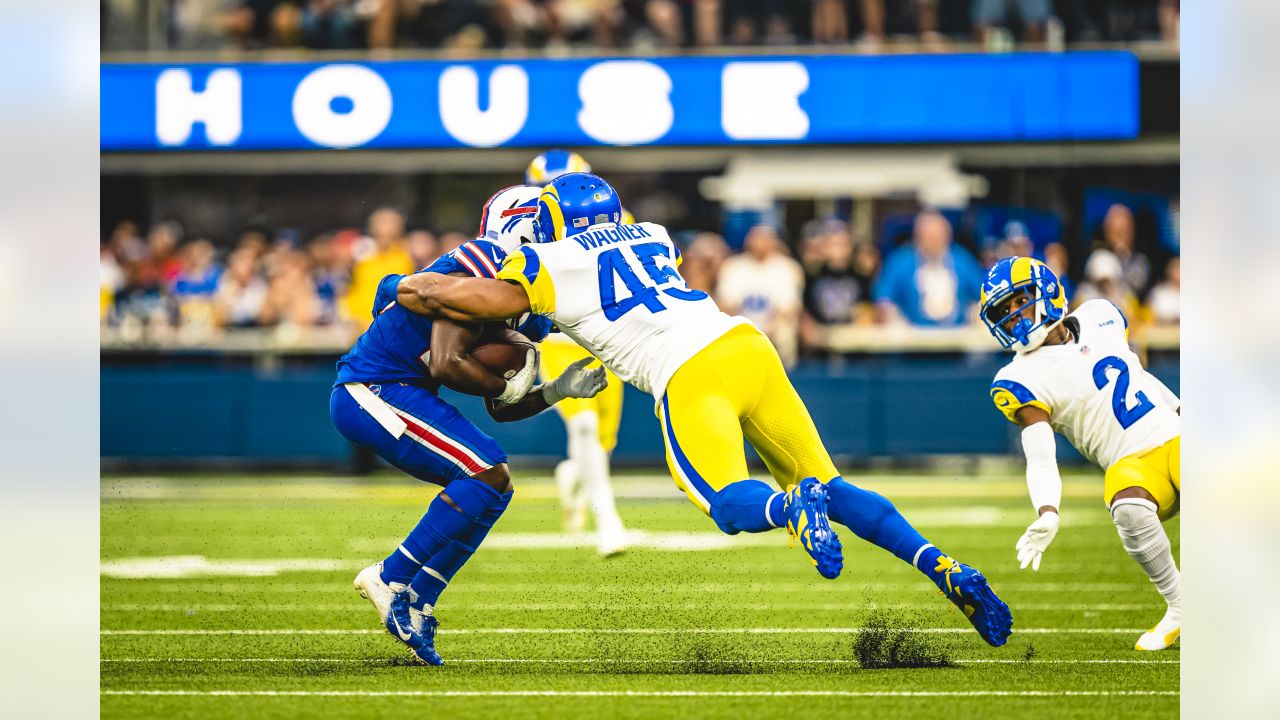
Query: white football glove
[
  {"x": 519, "y": 384},
  {"x": 577, "y": 381},
  {"x": 1036, "y": 539}
]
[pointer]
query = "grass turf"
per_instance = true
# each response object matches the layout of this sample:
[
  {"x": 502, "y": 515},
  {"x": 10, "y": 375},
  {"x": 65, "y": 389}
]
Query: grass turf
[{"x": 533, "y": 628}]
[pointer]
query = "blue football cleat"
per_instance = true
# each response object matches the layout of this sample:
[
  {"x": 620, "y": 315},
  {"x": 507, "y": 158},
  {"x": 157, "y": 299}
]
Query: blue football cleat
[
  {"x": 805, "y": 507},
  {"x": 968, "y": 590},
  {"x": 413, "y": 628}
]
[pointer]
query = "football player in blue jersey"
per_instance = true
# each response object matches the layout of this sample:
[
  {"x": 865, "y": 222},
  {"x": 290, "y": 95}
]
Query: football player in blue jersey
[{"x": 385, "y": 399}]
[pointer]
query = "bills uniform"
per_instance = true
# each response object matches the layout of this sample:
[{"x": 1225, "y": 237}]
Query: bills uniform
[
  {"x": 615, "y": 290},
  {"x": 1104, "y": 402},
  {"x": 385, "y": 398}
]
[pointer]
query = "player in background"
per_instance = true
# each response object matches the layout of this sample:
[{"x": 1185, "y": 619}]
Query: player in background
[
  {"x": 591, "y": 423},
  {"x": 385, "y": 398},
  {"x": 1076, "y": 375},
  {"x": 615, "y": 289}
]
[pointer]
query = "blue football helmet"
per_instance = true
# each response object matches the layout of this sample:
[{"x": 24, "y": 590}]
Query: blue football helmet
[
  {"x": 572, "y": 203},
  {"x": 552, "y": 164},
  {"x": 1033, "y": 285}
]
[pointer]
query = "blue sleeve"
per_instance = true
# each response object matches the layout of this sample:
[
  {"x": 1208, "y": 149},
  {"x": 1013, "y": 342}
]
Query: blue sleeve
[
  {"x": 444, "y": 265},
  {"x": 387, "y": 290},
  {"x": 535, "y": 327},
  {"x": 886, "y": 286}
]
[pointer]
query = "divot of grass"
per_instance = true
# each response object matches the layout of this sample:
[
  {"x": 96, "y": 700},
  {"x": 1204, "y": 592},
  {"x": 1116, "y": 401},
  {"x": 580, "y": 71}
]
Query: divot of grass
[{"x": 888, "y": 643}]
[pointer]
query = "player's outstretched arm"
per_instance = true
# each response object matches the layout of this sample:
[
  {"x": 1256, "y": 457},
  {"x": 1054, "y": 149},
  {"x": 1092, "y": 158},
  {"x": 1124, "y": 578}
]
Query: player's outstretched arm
[
  {"x": 460, "y": 298},
  {"x": 577, "y": 381},
  {"x": 1044, "y": 483}
]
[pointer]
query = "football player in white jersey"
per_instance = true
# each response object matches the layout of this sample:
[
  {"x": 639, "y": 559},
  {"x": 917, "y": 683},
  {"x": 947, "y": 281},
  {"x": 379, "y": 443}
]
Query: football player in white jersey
[
  {"x": 614, "y": 288},
  {"x": 1075, "y": 374}
]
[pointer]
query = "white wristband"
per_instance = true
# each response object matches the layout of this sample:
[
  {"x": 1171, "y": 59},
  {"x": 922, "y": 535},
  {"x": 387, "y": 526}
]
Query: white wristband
[{"x": 551, "y": 393}]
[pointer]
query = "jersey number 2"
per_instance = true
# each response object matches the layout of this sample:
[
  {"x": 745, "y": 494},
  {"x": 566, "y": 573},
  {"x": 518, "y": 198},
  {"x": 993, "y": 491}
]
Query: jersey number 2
[
  {"x": 1125, "y": 414},
  {"x": 612, "y": 266}
]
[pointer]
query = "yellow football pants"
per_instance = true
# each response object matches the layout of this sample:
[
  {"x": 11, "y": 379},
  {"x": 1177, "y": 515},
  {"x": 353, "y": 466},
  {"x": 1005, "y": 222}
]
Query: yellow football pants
[
  {"x": 736, "y": 386},
  {"x": 1158, "y": 471},
  {"x": 557, "y": 355}
]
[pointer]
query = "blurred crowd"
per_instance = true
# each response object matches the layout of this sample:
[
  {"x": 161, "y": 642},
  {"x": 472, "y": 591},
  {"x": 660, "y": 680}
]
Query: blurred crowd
[
  {"x": 468, "y": 25},
  {"x": 159, "y": 282}
]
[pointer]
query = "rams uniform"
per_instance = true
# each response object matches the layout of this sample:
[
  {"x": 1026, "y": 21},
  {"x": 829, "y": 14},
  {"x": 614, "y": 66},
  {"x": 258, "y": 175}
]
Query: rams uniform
[
  {"x": 1104, "y": 402},
  {"x": 614, "y": 289}
]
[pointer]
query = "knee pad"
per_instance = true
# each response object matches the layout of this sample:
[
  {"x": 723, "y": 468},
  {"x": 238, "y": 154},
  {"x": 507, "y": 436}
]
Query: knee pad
[{"x": 1138, "y": 523}]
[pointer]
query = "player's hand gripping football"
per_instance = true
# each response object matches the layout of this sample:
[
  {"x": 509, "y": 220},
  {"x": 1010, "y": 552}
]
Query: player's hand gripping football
[
  {"x": 1036, "y": 539},
  {"x": 577, "y": 381},
  {"x": 518, "y": 386}
]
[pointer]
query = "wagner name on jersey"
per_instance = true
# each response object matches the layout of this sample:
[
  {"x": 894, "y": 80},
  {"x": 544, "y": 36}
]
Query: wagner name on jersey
[
  {"x": 1095, "y": 389},
  {"x": 615, "y": 290}
]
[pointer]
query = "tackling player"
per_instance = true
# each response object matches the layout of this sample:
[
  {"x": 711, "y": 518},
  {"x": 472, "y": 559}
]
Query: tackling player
[
  {"x": 591, "y": 423},
  {"x": 614, "y": 288},
  {"x": 1076, "y": 375},
  {"x": 385, "y": 398}
]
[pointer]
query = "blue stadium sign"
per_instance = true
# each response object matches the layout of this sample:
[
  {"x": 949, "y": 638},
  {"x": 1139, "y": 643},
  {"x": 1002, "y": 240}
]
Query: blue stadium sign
[{"x": 619, "y": 101}]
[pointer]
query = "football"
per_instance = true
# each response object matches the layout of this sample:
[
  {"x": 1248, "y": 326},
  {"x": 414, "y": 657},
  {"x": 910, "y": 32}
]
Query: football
[{"x": 502, "y": 351}]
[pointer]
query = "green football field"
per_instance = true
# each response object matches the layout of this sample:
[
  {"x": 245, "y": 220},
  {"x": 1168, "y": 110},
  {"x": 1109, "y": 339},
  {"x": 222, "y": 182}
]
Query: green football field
[{"x": 231, "y": 597}]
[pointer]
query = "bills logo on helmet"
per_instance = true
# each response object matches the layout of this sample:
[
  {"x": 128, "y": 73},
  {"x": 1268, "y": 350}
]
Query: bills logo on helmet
[{"x": 507, "y": 218}]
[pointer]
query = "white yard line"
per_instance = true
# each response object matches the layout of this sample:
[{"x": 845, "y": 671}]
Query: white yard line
[
  {"x": 607, "y": 631},
  {"x": 593, "y": 606},
  {"x": 653, "y": 693},
  {"x": 639, "y": 661},
  {"x": 486, "y": 586}
]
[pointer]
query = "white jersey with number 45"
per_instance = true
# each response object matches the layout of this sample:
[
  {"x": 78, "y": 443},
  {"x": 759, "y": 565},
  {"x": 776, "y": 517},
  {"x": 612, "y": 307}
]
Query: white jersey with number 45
[
  {"x": 1095, "y": 389},
  {"x": 615, "y": 290}
]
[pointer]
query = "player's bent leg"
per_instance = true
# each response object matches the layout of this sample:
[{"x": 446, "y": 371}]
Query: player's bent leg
[
  {"x": 435, "y": 443},
  {"x": 702, "y": 437},
  {"x": 1135, "y": 513}
]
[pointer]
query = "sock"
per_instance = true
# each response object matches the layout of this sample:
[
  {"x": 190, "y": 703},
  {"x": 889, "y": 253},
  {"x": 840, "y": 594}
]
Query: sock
[
  {"x": 873, "y": 518},
  {"x": 747, "y": 506},
  {"x": 436, "y": 573},
  {"x": 438, "y": 526},
  {"x": 1146, "y": 542},
  {"x": 592, "y": 462}
]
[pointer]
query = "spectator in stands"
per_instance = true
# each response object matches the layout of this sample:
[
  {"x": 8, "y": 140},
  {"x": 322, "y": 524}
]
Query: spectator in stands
[
  {"x": 930, "y": 282},
  {"x": 830, "y": 22},
  {"x": 110, "y": 281},
  {"x": 331, "y": 271},
  {"x": 386, "y": 253},
  {"x": 1055, "y": 256},
  {"x": 702, "y": 261},
  {"x": 451, "y": 240},
  {"x": 754, "y": 22},
  {"x": 1118, "y": 237},
  {"x": 989, "y": 14},
  {"x": 291, "y": 299},
  {"x": 875, "y": 20},
  {"x": 1104, "y": 279},
  {"x": 766, "y": 286},
  {"x": 161, "y": 266},
  {"x": 833, "y": 292},
  {"x": 1165, "y": 300},
  {"x": 666, "y": 21},
  {"x": 264, "y": 23},
  {"x": 423, "y": 248},
  {"x": 196, "y": 284},
  {"x": 241, "y": 290}
]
